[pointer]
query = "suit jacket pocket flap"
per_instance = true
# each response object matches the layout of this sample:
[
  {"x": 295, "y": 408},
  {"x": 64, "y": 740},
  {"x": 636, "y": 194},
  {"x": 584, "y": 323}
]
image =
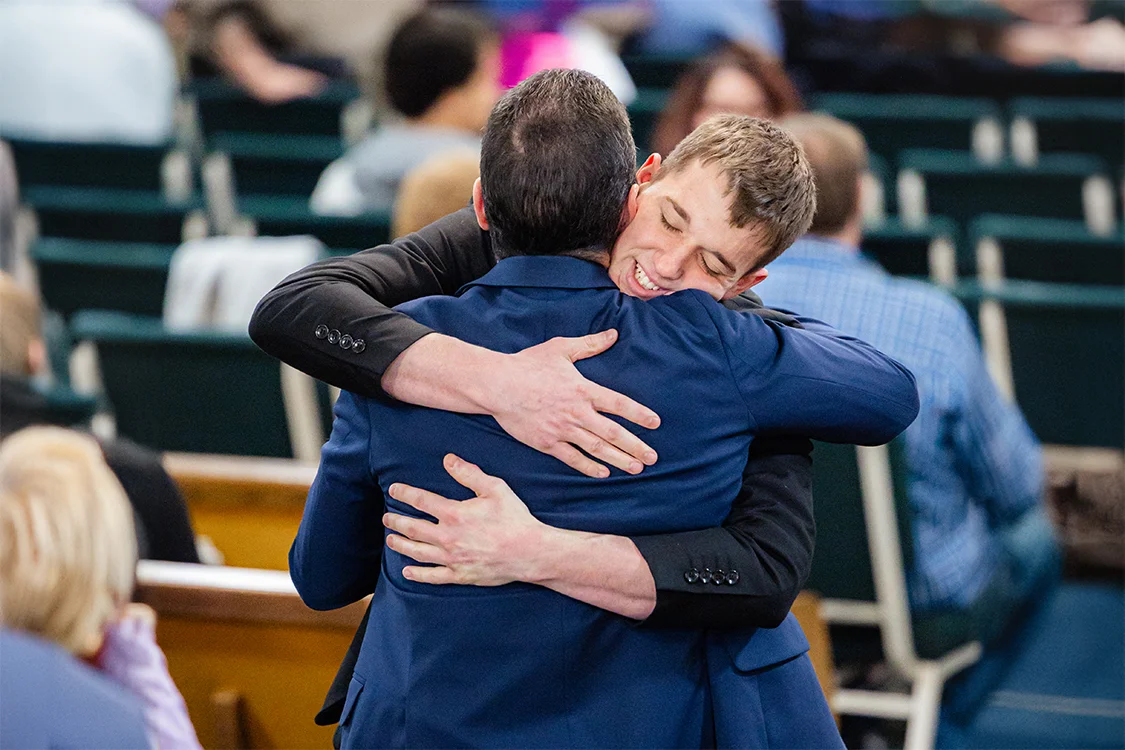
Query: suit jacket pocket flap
[{"x": 349, "y": 703}]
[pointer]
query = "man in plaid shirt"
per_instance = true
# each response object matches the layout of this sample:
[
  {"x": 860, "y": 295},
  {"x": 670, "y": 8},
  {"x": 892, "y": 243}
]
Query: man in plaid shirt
[{"x": 984, "y": 547}]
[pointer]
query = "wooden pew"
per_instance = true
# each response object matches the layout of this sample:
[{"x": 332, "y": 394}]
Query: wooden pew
[
  {"x": 252, "y": 661},
  {"x": 249, "y": 507}
]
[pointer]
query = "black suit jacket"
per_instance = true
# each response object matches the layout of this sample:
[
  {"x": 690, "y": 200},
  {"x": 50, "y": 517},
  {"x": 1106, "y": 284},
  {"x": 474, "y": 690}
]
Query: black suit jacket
[{"x": 768, "y": 538}]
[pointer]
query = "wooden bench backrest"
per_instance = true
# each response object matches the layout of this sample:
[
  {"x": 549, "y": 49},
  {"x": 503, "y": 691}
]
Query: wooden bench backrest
[
  {"x": 249, "y": 507},
  {"x": 230, "y": 632}
]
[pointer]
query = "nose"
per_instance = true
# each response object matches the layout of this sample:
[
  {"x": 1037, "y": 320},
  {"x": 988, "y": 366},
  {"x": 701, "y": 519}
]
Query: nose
[{"x": 669, "y": 264}]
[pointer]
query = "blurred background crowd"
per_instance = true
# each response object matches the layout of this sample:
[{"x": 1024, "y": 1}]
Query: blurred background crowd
[{"x": 164, "y": 163}]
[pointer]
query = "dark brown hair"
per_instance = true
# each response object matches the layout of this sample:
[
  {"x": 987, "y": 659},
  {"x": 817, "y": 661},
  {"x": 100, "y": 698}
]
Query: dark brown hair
[
  {"x": 556, "y": 166},
  {"x": 675, "y": 122}
]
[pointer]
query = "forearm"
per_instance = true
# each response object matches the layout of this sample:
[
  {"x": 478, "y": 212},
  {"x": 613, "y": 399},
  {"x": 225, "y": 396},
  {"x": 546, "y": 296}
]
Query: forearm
[
  {"x": 237, "y": 50},
  {"x": 353, "y": 296},
  {"x": 441, "y": 372},
  {"x": 601, "y": 570}
]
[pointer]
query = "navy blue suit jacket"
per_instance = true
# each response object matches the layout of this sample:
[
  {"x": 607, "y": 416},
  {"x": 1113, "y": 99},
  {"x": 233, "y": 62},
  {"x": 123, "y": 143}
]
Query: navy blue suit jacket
[{"x": 520, "y": 665}]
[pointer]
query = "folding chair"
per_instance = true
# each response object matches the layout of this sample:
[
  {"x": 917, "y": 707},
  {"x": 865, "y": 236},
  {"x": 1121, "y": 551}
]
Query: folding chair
[{"x": 864, "y": 542}]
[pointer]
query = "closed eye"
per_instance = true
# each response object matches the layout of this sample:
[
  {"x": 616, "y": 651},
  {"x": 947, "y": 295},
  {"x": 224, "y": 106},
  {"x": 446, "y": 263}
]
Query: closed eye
[
  {"x": 709, "y": 270},
  {"x": 668, "y": 226}
]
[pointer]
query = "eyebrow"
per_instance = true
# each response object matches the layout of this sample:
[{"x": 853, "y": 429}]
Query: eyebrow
[{"x": 687, "y": 218}]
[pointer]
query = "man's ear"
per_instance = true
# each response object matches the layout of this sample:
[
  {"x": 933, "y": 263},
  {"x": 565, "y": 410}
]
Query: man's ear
[
  {"x": 649, "y": 169},
  {"x": 629, "y": 211},
  {"x": 478, "y": 205},
  {"x": 753, "y": 278}
]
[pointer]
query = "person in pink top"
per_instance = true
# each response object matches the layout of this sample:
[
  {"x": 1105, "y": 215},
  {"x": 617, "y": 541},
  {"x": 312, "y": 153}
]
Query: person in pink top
[{"x": 67, "y": 563}]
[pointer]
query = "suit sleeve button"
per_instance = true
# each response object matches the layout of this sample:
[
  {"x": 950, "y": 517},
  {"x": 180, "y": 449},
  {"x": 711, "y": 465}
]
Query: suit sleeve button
[
  {"x": 732, "y": 577},
  {"x": 346, "y": 341},
  {"x": 691, "y": 576},
  {"x": 333, "y": 336},
  {"x": 358, "y": 346},
  {"x": 719, "y": 578},
  {"x": 321, "y": 331},
  {"x": 705, "y": 576}
]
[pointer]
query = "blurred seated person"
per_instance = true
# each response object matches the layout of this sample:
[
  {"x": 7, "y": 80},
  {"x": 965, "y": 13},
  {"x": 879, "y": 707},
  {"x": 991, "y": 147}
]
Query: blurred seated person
[
  {"x": 736, "y": 79},
  {"x": 67, "y": 560},
  {"x": 1022, "y": 32},
  {"x": 163, "y": 526},
  {"x": 84, "y": 70},
  {"x": 442, "y": 77},
  {"x": 984, "y": 547},
  {"x": 693, "y": 28},
  {"x": 435, "y": 188},
  {"x": 248, "y": 40}
]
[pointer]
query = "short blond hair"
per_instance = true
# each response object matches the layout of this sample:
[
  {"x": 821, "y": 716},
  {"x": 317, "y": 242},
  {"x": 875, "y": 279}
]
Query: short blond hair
[
  {"x": 768, "y": 177},
  {"x": 20, "y": 325},
  {"x": 837, "y": 152},
  {"x": 67, "y": 547},
  {"x": 438, "y": 186}
]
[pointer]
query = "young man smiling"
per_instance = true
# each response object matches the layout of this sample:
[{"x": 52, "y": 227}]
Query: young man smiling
[
  {"x": 430, "y": 671},
  {"x": 538, "y": 396}
]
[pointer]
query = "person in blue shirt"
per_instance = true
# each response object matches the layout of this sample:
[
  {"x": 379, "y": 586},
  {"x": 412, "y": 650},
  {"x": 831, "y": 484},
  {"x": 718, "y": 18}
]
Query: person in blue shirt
[
  {"x": 521, "y": 665},
  {"x": 984, "y": 548}
]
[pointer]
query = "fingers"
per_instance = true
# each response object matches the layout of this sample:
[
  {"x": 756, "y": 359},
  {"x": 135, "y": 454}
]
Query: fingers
[
  {"x": 620, "y": 439},
  {"x": 471, "y": 476},
  {"x": 413, "y": 528},
  {"x": 417, "y": 551},
  {"x": 590, "y": 345},
  {"x": 577, "y": 460},
  {"x": 602, "y": 449},
  {"x": 423, "y": 500},
  {"x": 439, "y": 576},
  {"x": 612, "y": 402}
]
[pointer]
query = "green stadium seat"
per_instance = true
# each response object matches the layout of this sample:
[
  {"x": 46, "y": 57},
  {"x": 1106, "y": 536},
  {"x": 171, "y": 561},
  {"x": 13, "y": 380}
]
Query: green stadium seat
[
  {"x": 927, "y": 250},
  {"x": 83, "y": 274},
  {"x": 94, "y": 165},
  {"x": 650, "y": 70},
  {"x": 199, "y": 391},
  {"x": 224, "y": 108},
  {"x": 107, "y": 191},
  {"x": 864, "y": 546},
  {"x": 280, "y": 216},
  {"x": 954, "y": 184},
  {"x": 114, "y": 215},
  {"x": 275, "y": 165},
  {"x": 643, "y": 113},
  {"x": 892, "y": 123},
  {"x": 1050, "y": 250},
  {"x": 1060, "y": 349},
  {"x": 1044, "y": 125}
]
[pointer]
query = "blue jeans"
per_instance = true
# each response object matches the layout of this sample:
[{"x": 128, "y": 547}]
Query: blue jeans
[{"x": 1007, "y": 609}]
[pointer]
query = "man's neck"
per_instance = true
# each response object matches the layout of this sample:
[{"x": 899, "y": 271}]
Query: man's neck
[
  {"x": 850, "y": 236},
  {"x": 601, "y": 257},
  {"x": 440, "y": 115}
]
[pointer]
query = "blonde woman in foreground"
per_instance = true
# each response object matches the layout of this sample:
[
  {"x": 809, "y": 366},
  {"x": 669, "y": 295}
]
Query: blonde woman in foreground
[{"x": 79, "y": 664}]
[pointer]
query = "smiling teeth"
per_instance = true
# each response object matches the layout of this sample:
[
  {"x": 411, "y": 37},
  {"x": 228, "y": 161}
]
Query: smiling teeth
[{"x": 643, "y": 279}]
